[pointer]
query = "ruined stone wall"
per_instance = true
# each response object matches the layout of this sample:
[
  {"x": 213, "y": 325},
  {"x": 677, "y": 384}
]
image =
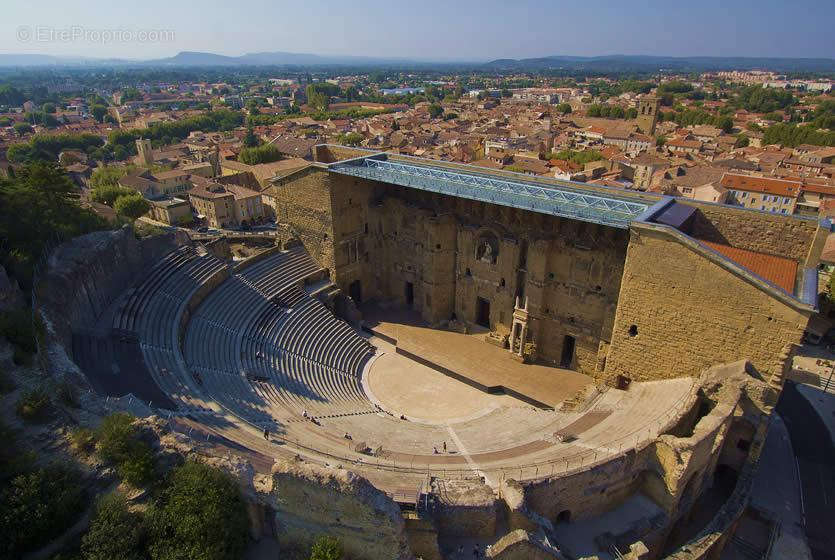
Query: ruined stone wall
[
  {"x": 303, "y": 200},
  {"x": 764, "y": 232},
  {"x": 309, "y": 501},
  {"x": 392, "y": 243},
  {"x": 569, "y": 271},
  {"x": 673, "y": 471},
  {"x": 680, "y": 312}
]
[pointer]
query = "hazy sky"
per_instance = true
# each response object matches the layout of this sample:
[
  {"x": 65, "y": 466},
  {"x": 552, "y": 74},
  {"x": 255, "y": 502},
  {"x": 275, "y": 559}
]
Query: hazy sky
[{"x": 425, "y": 29}]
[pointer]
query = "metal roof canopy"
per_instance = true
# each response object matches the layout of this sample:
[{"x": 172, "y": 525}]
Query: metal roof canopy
[{"x": 553, "y": 200}]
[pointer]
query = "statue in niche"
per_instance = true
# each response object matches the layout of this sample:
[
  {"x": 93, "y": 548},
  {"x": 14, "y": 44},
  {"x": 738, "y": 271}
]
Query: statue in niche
[
  {"x": 486, "y": 251},
  {"x": 487, "y": 256}
]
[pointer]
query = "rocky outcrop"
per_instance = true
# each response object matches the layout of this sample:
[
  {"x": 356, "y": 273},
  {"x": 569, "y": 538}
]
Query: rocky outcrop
[
  {"x": 82, "y": 278},
  {"x": 86, "y": 274}
]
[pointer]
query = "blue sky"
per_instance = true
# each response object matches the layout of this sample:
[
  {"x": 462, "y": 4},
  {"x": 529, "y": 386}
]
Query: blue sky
[{"x": 427, "y": 29}]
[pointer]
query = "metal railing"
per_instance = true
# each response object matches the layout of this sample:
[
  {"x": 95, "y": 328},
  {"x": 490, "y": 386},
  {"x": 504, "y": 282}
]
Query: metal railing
[{"x": 560, "y": 466}]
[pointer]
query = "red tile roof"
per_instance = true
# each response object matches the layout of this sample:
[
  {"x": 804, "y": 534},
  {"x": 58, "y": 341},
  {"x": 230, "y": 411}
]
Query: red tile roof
[
  {"x": 779, "y": 271},
  {"x": 765, "y": 185}
]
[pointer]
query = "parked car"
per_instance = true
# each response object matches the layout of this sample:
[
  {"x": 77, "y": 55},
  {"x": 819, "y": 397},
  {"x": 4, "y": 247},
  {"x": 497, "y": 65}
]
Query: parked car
[{"x": 203, "y": 229}]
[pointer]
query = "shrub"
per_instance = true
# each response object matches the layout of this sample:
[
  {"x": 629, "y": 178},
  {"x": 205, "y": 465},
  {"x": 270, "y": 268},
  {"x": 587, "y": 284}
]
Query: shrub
[
  {"x": 200, "y": 516},
  {"x": 117, "y": 443},
  {"x": 259, "y": 154},
  {"x": 326, "y": 548},
  {"x": 67, "y": 394},
  {"x": 83, "y": 439},
  {"x": 138, "y": 468},
  {"x": 34, "y": 406},
  {"x": 115, "y": 532},
  {"x": 37, "y": 506}
]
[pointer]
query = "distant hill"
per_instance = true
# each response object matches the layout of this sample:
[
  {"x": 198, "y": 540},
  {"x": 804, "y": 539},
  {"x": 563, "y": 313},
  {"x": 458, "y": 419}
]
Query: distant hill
[
  {"x": 277, "y": 58},
  {"x": 609, "y": 63},
  {"x": 646, "y": 63},
  {"x": 192, "y": 59}
]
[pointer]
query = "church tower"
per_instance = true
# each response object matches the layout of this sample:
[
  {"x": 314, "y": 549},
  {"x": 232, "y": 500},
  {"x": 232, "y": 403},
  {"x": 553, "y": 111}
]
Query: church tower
[
  {"x": 647, "y": 115},
  {"x": 143, "y": 149}
]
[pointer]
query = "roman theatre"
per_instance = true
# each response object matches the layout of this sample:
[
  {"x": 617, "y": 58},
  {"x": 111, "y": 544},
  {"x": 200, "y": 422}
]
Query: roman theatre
[{"x": 579, "y": 370}]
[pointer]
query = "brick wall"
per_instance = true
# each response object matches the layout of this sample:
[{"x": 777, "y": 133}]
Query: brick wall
[{"x": 690, "y": 313}]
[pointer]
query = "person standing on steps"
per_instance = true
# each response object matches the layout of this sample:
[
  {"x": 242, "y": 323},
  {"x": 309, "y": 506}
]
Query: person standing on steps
[{"x": 267, "y": 433}]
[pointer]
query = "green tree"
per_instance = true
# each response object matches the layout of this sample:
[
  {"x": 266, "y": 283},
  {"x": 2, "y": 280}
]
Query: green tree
[
  {"x": 43, "y": 119},
  {"x": 200, "y": 515},
  {"x": 36, "y": 203},
  {"x": 326, "y": 548},
  {"x": 132, "y": 205},
  {"x": 259, "y": 154},
  {"x": 107, "y": 194},
  {"x": 742, "y": 141},
  {"x": 98, "y": 112},
  {"x": 131, "y": 94},
  {"x": 48, "y": 107},
  {"x": 115, "y": 532},
  {"x": 726, "y": 124},
  {"x": 435, "y": 110},
  {"x": 22, "y": 128},
  {"x": 350, "y": 139},
  {"x": 564, "y": 108},
  {"x": 10, "y": 95},
  {"x": 36, "y": 507},
  {"x": 118, "y": 443},
  {"x": 250, "y": 140}
]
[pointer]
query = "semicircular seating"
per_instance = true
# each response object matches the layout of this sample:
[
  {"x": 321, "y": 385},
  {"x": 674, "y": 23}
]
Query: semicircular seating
[
  {"x": 151, "y": 312},
  {"x": 265, "y": 349}
]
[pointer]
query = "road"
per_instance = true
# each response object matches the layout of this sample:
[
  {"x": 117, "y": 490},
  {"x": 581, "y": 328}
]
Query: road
[{"x": 815, "y": 462}]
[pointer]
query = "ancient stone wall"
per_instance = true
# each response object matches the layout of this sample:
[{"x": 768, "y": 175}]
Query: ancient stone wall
[
  {"x": 303, "y": 200},
  {"x": 764, "y": 232},
  {"x": 451, "y": 256},
  {"x": 671, "y": 470},
  {"x": 679, "y": 312},
  {"x": 309, "y": 501},
  {"x": 331, "y": 153}
]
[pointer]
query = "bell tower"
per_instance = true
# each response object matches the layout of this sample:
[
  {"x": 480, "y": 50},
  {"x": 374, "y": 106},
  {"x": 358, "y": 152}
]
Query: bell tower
[
  {"x": 143, "y": 149},
  {"x": 648, "y": 115}
]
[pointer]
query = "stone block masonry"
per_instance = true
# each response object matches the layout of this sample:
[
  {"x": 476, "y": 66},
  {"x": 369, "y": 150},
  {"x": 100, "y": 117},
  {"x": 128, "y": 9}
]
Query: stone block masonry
[{"x": 680, "y": 312}]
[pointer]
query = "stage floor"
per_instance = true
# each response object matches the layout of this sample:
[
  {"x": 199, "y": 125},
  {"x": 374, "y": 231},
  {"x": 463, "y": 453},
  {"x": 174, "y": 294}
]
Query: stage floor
[{"x": 469, "y": 359}]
